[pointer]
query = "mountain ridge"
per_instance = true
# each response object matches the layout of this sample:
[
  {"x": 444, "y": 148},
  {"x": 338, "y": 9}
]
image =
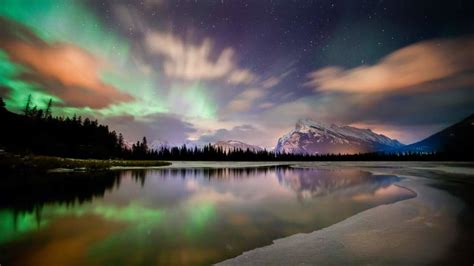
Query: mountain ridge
[
  {"x": 230, "y": 145},
  {"x": 310, "y": 137},
  {"x": 456, "y": 138}
]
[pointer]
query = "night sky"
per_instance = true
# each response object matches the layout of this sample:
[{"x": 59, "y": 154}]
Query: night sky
[{"x": 202, "y": 71}]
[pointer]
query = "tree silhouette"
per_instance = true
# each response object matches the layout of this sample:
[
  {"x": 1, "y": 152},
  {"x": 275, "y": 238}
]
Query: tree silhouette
[
  {"x": 120, "y": 140},
  {"x": 26, "y": 111},
  {"x": 2, "y": 105},
  {"x": 47, "y": 112}
]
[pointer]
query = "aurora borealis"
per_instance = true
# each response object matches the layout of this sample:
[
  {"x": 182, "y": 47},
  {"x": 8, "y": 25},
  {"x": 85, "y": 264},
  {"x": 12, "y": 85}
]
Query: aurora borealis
[{"x": 203, "y": 71}]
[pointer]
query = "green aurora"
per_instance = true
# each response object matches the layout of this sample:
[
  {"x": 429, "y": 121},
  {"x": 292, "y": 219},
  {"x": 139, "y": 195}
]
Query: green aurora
[{"x": 73, "y": 23}]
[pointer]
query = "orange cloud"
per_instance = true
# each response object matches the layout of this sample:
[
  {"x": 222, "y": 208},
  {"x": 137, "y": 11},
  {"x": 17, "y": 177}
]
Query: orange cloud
[
  {"x": 67, "y": 71},
  {"x": 405, "y": 69},
  {"x": 75, "y": 69}
]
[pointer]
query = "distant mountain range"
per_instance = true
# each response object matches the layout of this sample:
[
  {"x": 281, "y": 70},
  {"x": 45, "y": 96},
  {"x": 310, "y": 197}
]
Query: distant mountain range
[
  {"x": 310, "y": 137},
  {"x": 230, "y": 145},
  {"x": 458, "y": 138}
]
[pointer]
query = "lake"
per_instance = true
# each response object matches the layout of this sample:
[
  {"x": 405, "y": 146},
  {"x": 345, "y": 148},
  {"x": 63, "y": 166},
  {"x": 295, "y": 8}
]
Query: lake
[{"x": 188, "y": 216}]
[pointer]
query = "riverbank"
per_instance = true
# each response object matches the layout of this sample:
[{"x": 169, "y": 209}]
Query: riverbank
[
  {"x": 35, "y": 163},
  {"x": 432, "y": 228}
]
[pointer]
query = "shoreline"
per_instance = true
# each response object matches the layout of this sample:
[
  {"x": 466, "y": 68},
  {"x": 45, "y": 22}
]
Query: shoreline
[
  {"x": 16, "y": 163},
  {"x": 37, "y": 163},
  {"x": 420, "y": 230}
]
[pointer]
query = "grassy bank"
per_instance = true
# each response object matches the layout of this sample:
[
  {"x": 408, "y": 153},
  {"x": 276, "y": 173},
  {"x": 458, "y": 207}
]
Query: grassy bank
[{"x": 46, "y": 163}]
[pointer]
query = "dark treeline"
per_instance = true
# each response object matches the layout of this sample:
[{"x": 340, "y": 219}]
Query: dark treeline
[
  {"x": 211, "y": 153},
  {"x": 38, "y": 132}
]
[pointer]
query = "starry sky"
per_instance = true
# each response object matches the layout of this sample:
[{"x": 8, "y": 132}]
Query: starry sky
[{"x": 202, "y": 71}]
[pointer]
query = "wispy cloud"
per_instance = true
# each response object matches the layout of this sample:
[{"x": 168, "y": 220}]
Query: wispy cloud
[
  {"x": 252, "y": 97},
  {"x": 245, "y": 100},
  {"x": 406, "y": 69},
  {"x": 189, "y": 61},
  {"x": 241, "y": 76}
]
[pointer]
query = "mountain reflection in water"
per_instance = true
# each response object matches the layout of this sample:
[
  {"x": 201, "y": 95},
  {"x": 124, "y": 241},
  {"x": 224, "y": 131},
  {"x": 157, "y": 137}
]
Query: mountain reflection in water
[{"x": 175, "y": 216}]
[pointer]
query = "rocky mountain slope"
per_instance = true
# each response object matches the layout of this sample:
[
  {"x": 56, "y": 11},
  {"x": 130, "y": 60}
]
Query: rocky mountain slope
[
  {"x": 458, "y": 138},
  {"x": 310, "y": 137},
  {"x": 229, "y": 145}
]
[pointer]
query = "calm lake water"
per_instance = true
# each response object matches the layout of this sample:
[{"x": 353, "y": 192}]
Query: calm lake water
[{"x": 175, "y": 216}]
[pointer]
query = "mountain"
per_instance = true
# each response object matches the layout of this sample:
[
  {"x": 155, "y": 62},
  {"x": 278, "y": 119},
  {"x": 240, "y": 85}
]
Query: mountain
[
  {"x": 229, "y": 145},
  {"x": 309, "y": 137},
  {"x": 458, "y": 138},
  {"x": 159, "y": 144}
]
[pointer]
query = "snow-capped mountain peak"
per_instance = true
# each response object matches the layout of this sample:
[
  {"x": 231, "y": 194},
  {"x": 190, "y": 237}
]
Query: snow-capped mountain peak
[
  {"x": 310, "y": 137},
  {"x": 304, "y": 125}
]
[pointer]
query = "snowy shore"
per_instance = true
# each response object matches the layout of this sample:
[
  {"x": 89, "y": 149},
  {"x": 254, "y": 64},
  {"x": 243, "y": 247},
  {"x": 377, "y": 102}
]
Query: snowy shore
[{"x": 416, "y": 231}]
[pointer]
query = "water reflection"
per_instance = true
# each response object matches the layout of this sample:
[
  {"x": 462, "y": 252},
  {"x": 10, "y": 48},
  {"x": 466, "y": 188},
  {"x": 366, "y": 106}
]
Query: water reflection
[
  {"x": 175, "y": 216},
  {"x": 310, "y": 183}
]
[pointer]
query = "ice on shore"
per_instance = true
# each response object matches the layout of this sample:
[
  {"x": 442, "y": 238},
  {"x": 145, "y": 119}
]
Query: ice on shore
[{"x": 411, "y": 232}]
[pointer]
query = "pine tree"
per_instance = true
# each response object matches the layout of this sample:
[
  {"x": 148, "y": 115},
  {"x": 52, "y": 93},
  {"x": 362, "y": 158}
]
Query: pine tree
[
  {"x": 120, "y": 141},
  {"x": 144, "y": 146},
  {"x": 32, "y": 111},
  {"x": 28, "y": 106},
  {"x": 47, "y": 112},
  {"x": 2, "y": 104},
  {"x": 39, "y": 114}
]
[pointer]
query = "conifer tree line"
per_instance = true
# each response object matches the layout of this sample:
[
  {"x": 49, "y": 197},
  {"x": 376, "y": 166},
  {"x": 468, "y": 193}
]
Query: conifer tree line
[{"x": 37, "y": 131}]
